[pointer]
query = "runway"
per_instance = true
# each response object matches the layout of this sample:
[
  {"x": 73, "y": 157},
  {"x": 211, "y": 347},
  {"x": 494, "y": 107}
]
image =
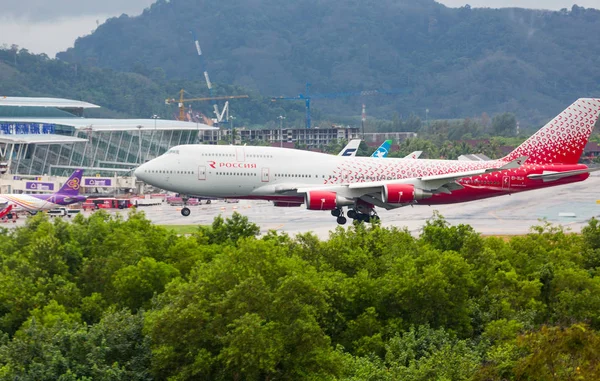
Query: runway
[{"x": 506, "y": 215}]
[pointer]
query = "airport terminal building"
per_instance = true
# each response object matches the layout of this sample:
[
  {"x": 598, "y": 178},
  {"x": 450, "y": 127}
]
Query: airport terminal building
[{"x": 55, "y": 140}]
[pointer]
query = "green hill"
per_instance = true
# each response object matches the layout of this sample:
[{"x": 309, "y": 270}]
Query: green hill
[
  {"x": 456, "y": 62},
  {"x": 140, "y": 93}
]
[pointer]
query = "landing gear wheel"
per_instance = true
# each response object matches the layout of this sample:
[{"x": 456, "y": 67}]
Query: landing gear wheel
[
  {"x": 341, "y": 220},
  {"x": 33, "y": 213},
  {"x": 336, "y": 212},
  {"x": 185, "y": 212},
  {"x": 207, "y": 202},
  {"x": 352, "y": 214},
  {"x": 375, "y": 217}
]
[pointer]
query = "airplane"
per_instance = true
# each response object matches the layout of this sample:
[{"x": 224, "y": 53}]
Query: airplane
[
  {"x": 383, "y": 149},
  {"x": 291, "y": 177},
  {"x": 351, "y": 148},
  {"x": 33, "y": 203}
]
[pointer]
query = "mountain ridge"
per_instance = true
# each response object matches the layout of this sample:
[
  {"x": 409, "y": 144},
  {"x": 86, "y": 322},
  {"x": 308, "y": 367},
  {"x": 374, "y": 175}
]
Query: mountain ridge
[{"x": 456, "y": 62}]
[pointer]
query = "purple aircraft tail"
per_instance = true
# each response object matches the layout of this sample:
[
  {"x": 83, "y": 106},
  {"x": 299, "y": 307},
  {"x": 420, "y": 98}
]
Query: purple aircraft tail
[{"x": 73, "y": 184}]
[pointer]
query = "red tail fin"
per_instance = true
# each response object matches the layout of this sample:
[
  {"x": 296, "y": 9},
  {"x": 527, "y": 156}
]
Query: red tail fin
[
  {"x": 562, "y": 140},
  {"x": 5, "y": 211}
]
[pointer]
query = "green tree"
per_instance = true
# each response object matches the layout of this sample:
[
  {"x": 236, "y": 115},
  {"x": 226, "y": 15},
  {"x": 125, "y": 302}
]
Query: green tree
[
  {"x": 230, "y": 230},
  {"x": 504, "y": 124},
  {"x": 252, "y": 348},
  {"x": 556, "y": 353},
  {"x": 136, "y": 284}
]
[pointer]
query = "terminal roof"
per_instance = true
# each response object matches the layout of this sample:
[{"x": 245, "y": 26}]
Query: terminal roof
[
  {"x": 45, "y": 102},
  {"x": 39, "y": 139},
  {"x": 90, "y": 124}
]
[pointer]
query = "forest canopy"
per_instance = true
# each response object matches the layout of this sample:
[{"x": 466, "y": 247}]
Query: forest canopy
[{"x": 106, "y": 297}]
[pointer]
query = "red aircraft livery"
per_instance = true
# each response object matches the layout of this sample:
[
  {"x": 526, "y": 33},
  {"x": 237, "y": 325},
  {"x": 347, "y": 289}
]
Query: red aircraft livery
[{"x": 319, "y": 181}]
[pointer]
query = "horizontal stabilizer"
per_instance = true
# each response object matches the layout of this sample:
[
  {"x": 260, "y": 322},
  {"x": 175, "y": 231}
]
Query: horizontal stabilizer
[
  {"x": 553, "y": 176},
  {"x": 516, "y": 163},
  {"x": 413, "y": 155}
]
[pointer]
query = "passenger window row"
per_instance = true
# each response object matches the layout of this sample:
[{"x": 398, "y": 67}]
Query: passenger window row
[
  {"x": 172, "y": 172},
  {"x": 218, "y": 154},
  {"x": 233, "y": 155},
  {"x": 296, "y": 175},
  {"x": 236, "y": 174}
]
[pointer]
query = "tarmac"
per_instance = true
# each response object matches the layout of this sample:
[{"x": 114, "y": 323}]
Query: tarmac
[{"x": 571, "y": 206}]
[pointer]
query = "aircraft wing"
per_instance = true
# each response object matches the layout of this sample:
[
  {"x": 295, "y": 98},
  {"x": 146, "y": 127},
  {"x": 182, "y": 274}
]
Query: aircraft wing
[
  {"x": 370, "y": 191},
  {"x": 440, "y": 182}
]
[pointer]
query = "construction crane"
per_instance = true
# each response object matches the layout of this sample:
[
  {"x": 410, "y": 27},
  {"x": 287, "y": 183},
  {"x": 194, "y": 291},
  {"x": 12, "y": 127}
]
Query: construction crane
[
  {"x": 181, "y": 103},
  {"x": 205, "y": 72},
  {"x": 307, "y": 97},
  {"x": 224, "y": 113}
]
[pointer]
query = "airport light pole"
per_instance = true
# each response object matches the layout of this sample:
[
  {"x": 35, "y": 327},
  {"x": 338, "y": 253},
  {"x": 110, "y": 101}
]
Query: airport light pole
[
  {"x": 155, "y": 117},
  {"x": 140, "y": 143},
  {"x": 281, "y": 118},
  {"x": 232, "y": 118}
]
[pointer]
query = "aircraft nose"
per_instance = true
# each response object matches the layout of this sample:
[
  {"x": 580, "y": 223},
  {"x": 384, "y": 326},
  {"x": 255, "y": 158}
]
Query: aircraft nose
[{"x": 141, "y": 172}]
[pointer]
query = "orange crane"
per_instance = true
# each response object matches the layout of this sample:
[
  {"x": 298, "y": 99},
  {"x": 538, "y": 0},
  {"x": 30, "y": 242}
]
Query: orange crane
[{"x": 182, "y": 100}]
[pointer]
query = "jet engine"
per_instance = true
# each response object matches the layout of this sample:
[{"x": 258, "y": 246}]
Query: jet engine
[
  {"x": 402, "y": 193},
  {"x": 323, "y": 200}
]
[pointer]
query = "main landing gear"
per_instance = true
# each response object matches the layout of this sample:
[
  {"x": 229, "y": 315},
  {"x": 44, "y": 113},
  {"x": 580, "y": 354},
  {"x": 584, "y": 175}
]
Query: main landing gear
[
  {"x": 355, "y": 215},
  {"x": 363, "y": 217},
  {"x": 361, "y": 212},
  {"x": 339, "y": 213}
]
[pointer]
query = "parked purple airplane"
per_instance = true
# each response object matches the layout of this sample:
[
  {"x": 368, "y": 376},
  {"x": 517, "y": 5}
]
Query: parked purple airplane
[{"x": 33, "y": 203}]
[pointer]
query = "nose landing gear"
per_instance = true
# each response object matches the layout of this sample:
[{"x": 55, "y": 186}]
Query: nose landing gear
[{"x": 185, "y": 211}]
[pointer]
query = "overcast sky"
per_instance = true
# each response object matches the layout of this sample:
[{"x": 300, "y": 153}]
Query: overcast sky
[{"x": 50, "y": 26}]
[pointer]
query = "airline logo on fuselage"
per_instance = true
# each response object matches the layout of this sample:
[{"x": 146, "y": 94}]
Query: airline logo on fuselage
[{"x": 214, "y": 164}]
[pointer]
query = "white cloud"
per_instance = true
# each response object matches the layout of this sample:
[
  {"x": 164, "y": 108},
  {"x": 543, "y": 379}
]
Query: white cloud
[
  {"x": 44, "y": 10},
  {"x": 43, "y": 26},
  {"x": 48, "y": 37}
]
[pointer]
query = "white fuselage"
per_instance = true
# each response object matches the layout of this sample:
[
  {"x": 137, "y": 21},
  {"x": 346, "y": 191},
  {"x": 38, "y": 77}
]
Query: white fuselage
[
  {"x": 27, "y": 203},
  {"x": 263, "y": 172}
]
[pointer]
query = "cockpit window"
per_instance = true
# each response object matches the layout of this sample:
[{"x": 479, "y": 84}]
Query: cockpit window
[{"x": 173, "y": 151}]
